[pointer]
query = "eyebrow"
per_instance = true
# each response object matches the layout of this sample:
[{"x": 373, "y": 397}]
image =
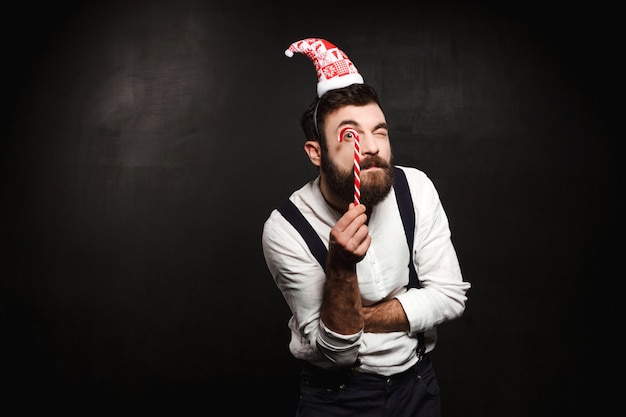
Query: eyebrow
[{"x": 381, "y": 125}]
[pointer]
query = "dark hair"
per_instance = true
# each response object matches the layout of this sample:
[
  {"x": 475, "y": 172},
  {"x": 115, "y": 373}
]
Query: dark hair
[{"x": 313, "y": 118}]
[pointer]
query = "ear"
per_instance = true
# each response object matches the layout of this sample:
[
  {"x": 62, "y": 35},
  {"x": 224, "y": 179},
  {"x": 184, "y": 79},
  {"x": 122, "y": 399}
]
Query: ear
[{"x": 313, "y": 150}]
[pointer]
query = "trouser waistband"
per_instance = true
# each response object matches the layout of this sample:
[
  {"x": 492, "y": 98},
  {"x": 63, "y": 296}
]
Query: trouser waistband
[{"x": 319, "y": 375}]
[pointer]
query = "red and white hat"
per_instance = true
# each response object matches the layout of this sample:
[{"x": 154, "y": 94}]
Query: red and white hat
[{"x": 334, "y": 68}]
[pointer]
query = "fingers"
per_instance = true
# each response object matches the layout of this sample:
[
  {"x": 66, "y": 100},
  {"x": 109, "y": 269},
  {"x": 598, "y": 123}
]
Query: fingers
[
  {"x": 350, "y": 237},
  {"x": 352, "y": 219},
  {"x": 361, "y": 244}
]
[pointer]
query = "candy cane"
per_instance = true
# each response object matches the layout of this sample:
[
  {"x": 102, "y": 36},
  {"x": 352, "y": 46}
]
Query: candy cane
[{"x": 357, "y": 162}]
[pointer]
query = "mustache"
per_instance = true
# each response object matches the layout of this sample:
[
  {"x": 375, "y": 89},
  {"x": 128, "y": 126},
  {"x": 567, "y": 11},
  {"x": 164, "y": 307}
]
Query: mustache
[{"x": 372, "y": 162}]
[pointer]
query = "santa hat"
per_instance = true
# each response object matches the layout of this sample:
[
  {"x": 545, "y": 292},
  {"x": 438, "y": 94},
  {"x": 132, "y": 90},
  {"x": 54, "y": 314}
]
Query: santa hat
[{"x": 334, "y": 68}]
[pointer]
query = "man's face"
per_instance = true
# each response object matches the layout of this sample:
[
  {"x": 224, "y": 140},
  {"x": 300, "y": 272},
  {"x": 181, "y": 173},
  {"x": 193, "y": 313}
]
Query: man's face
[{"x": 376, "y": 159}]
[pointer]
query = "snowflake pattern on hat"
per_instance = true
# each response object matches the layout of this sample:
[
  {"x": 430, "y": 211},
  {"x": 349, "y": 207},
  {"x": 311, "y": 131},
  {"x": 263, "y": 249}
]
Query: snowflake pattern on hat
[{"x": 334, "y": 68}]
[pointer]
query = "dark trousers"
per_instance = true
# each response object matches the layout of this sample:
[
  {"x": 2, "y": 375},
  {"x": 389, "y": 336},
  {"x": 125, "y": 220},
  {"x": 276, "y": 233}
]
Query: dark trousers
[{"x": 343, "y": 393}]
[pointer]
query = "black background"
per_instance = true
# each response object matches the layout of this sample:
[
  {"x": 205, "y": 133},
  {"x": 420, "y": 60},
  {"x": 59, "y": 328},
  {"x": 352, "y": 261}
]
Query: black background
[{"x": 144, "y": 144}]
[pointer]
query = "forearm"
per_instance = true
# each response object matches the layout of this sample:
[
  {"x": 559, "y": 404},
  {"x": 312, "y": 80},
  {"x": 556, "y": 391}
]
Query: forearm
[
  {"x": 387, "y": 316},
  {"x": 341, "y": 310}
]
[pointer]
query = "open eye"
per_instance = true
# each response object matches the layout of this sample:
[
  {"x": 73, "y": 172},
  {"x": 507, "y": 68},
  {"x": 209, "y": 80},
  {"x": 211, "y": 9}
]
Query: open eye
[{"x": 347, "y": 134}]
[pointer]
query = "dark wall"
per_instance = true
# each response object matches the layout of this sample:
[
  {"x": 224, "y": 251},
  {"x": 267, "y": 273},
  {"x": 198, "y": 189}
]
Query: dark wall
[{"x": 144, "y": 144}]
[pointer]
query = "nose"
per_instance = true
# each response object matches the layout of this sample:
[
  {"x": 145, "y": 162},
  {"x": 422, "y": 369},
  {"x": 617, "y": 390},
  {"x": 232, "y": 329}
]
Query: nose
[{"x": 368, "y": 143}]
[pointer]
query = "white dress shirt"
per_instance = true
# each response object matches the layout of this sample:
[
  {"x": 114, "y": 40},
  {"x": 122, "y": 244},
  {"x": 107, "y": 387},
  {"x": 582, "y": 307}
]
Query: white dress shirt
[{"x": 382, "y": 274}]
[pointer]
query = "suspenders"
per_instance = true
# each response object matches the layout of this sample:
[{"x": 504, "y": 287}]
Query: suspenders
[{"x": 407, "y": 213}]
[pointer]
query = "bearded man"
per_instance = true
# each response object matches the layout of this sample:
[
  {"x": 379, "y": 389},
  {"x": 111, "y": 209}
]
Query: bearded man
[{"x": 364, "y": 313}]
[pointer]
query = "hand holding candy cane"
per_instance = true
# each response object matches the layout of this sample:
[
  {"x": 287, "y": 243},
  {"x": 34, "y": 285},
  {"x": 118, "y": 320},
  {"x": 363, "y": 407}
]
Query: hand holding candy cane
[{"x": 357, "y": 162}]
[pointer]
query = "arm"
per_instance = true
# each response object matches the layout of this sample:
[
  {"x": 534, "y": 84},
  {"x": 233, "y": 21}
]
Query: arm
[
  {"x": 303, "y": 284},
  {"x": 387, "y": 316},
  {"x": 442, "y": 295},
  {"x": 341, "y": 309}
]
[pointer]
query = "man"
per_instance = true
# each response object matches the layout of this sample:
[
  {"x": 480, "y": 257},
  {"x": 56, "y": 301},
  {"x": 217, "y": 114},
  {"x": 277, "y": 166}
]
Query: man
[{"x": 361, "y": 329}]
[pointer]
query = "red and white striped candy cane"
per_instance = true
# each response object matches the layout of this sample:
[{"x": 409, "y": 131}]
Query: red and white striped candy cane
[{"x": 357, "y": 162}]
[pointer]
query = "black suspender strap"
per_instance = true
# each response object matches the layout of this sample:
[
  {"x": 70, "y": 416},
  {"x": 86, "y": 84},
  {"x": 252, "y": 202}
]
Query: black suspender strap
[
  {"x": 312, "y": 239},
  {"x": 407, "y": 213}
]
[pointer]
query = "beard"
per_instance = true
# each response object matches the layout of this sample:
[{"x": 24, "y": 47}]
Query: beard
[{"x": 375, "y": 185}]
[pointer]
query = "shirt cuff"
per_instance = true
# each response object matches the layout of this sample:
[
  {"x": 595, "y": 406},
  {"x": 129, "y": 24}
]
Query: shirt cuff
[{"x": 341, "y": 349}]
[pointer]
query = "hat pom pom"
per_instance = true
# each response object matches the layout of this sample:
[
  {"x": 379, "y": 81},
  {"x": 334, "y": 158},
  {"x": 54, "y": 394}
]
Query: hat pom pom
[{"x": 288, "y": 53}]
